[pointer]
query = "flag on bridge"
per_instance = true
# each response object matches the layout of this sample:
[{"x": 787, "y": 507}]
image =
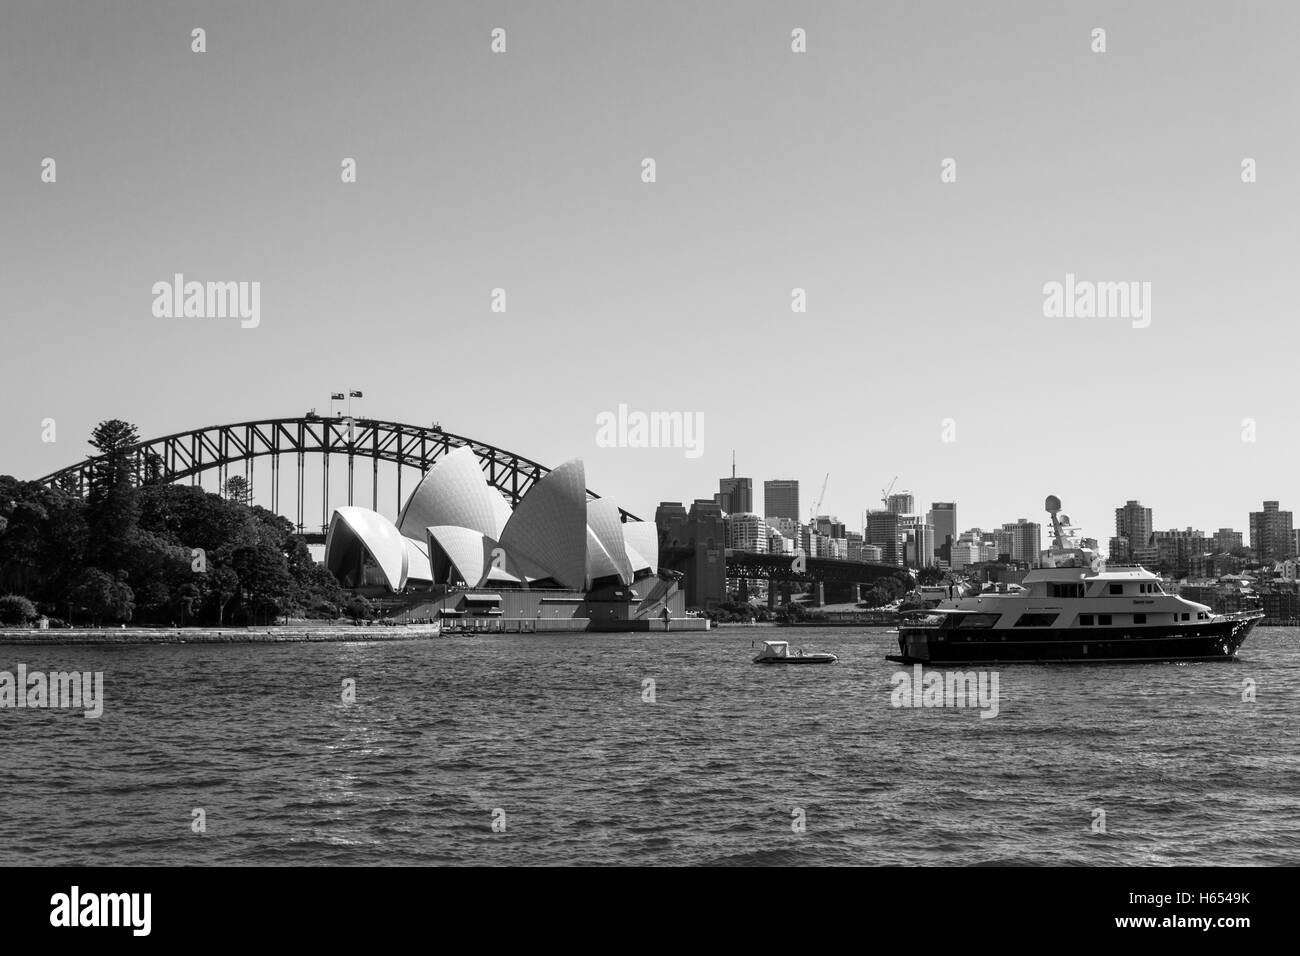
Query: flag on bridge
[
  {"x": 336, "y": 396},
  {"x": 354, "y": 394}
]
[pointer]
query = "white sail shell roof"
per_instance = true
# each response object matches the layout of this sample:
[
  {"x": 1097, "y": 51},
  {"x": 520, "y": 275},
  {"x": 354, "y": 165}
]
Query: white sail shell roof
[
  {"x": 603, "y": 520},
  {"x": 549, "y": 527},
  {"x": 470, "y": 554},
  {"x": 351, "y": 528},
  {"x": 454, "y": 493},
  {"x": 642, "y": 542}
]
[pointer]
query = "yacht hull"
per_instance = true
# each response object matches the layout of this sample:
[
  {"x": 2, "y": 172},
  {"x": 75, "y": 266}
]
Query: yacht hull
[{"x": 1216, "y": 640}]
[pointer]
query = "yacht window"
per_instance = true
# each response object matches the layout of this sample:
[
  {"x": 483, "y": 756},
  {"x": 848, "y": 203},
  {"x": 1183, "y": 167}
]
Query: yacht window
[
  {"x": 1031, "y": 619},
  {"x": 1067, "y": 590},
  {"x": 1085, "y": 620},
  {"x": 971, "y": 621},
  {"x": 1186, "y": 616},
  {"x": 1139, "y": 618},
  {"x": 1117, "y": 589},
  {"x": 1103, "y": 619}
]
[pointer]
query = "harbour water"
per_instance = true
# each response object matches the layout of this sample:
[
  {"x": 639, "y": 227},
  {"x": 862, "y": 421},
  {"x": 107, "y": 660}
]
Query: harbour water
[{"x": 555, "y": 737}]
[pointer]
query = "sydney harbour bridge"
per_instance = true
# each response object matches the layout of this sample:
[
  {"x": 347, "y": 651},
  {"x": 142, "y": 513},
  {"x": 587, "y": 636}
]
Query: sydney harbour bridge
[{"x": 298, "y": 453}]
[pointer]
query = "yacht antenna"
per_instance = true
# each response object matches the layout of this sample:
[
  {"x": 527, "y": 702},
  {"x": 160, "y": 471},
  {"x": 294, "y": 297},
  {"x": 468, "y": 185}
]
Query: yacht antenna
[{"x": 1053, "y": 505}]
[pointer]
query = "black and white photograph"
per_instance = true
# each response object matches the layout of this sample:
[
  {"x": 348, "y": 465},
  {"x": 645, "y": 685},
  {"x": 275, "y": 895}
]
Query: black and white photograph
[{"x": 437, "y": 435}]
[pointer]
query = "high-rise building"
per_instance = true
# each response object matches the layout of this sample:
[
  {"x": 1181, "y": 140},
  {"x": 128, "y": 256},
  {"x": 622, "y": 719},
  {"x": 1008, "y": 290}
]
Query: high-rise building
[
  {"x": 747, "y": 532},
  {"x": 1175, "y": 549},
  {"x": 1270, "y": 533},
  {"x": 882, "y": 531},
  {"x": 829, "y": 525},
  {"x": 781, "y": 498},
  {"x": 735, "y": 495},
  {"x": 964, "y": 553},
  {"x": 918, "y": 548},
  {"x": 943, "y": 518},
  {"x": 1025, "y": 541},
  {"x": 1226, "y": 541},
  {"x": 903, "y": 503},
  {"x": 1134, "y": 523}
]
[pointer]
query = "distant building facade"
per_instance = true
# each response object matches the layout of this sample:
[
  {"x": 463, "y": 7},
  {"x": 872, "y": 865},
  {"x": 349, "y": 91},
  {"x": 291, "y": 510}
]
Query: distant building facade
[
  {"x": 1271, "y": 535},
  {"x": 1132, "y": 523},
  {"x": 943, "y": 519},
  {"x": 781, "y": 498},
  {"x": 735, "y": 495},
  {"x": 882, "y": 531}
]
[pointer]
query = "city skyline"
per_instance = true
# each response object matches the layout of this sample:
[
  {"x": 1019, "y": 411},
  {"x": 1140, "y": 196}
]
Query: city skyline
[{"x": 477, "y": 172}]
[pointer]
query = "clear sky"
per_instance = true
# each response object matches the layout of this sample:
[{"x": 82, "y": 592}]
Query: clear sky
[{"x": 775, "y": 170}]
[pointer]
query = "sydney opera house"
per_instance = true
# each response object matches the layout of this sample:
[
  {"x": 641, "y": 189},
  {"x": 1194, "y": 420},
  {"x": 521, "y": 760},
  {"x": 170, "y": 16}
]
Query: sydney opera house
[{"x": 556, "y": 554}]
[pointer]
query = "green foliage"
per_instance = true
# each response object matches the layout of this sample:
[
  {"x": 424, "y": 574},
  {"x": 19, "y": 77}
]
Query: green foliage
[
  {"x": 359, "y": 609},
  {"x": 128, "y": 552},
  {"x": 738, "y": 612},
  {"x": 103, "y": 597},
  {"x": 16, "y": 610},
  {"x": 929, "y": 576}
]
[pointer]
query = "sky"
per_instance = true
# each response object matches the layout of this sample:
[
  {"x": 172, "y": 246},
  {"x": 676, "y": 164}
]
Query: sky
[{"x": 925, "y": 352}]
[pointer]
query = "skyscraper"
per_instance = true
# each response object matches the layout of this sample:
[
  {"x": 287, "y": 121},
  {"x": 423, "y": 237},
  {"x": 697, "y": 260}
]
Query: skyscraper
[
  {"x": 903, "y": 503},
  {"x": 882, "y": 531},
  {"x": 1134, "y": 523},
  {"x": 1270, "y": 532},
  {"x": 781, "y": 498},
  {"x": 943, "y": 518},
  {"x": 735, "y": 495},
  {"x": 1025, "y": 540}
]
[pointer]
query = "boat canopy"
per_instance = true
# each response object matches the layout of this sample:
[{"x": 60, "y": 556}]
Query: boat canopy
[{"x": 777, "y": 648}]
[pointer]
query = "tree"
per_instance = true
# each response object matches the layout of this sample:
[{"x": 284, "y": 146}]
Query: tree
[
  {"x": 113, "y": 505},
  {"x": 102, "y": 595},
  {"x": 237, "y": 489},
  {"x": 16, "y": 609},
  {"x": 359, "y": 609},
  {"x": 223, "y": 584},
  {"x": 929, "y": 576}
]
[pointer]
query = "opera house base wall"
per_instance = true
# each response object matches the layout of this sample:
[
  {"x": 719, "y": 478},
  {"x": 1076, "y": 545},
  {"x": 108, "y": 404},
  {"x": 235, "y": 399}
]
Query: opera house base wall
[{"x": 510, "y": 610}]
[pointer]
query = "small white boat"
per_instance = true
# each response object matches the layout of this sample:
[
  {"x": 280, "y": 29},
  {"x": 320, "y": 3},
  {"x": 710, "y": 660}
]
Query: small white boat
[{"x": 778, "y": 652}]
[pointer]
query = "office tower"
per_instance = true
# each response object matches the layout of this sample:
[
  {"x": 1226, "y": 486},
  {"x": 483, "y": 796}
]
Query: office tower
[
  {"x": 882, "y": 531},
  {"x": 781, "y": 498},
  {"x": 735, "y": 495},
  {"x": 918, "y": 548},
  {"x": 943, "y": 518}
]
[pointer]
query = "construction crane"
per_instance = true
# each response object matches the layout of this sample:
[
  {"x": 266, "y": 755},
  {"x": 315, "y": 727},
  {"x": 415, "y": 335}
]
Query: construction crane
[
  {"x": 884, "y": 493},
  {"x": 820, "y": 498}
]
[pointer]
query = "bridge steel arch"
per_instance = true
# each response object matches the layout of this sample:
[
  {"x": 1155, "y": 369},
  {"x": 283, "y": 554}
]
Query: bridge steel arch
[{"x": 186, "y": 455}]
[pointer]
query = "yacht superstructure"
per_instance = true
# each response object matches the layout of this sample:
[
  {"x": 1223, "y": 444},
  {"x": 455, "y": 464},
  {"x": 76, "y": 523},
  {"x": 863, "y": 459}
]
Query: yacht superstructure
[{"x": 1074, "y": 609}]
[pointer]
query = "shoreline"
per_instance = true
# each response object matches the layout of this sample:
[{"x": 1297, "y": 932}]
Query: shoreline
[{"x": 286, "y": 635}]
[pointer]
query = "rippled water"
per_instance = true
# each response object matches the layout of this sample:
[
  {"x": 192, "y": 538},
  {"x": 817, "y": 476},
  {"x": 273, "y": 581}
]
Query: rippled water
[{"x": 553, "y": 731}]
